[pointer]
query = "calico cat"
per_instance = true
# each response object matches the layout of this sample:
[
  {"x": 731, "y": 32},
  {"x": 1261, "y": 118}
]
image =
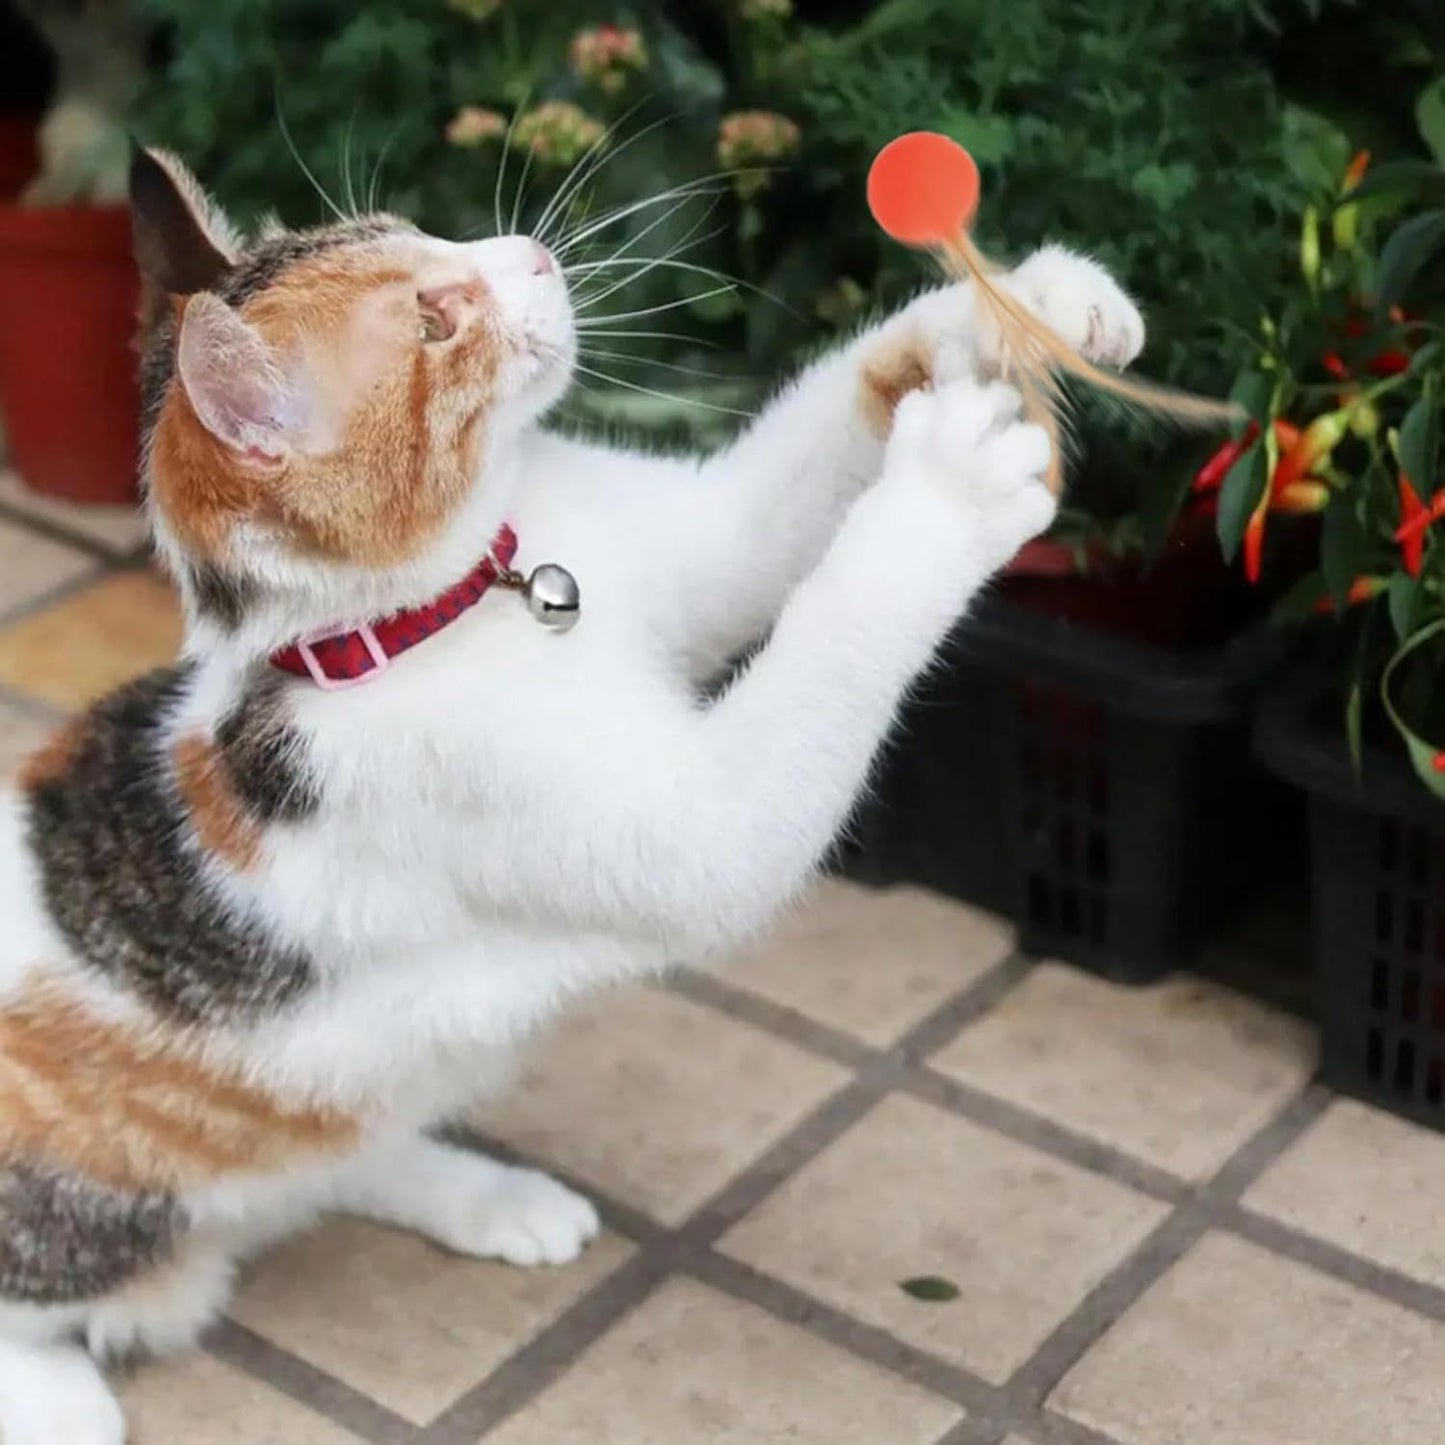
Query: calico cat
[{"x": 264, "y": 926}]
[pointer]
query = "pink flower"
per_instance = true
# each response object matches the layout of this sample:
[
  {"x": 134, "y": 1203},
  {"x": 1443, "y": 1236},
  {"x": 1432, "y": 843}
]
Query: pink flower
[
  {"x": 472, "y": 125},
  {"x": 752, "y": 138},
  {"x": 605, "y": 54},
  {"x": 557, "y": 132}
]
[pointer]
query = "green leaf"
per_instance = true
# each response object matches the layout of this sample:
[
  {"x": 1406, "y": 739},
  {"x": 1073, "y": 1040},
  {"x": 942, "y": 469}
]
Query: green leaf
[
  {"x": 1253, "y": 393},
  {"x": 1344, "y": 544},
  {"x": 1430, "y": 117},
  {"x": 931, "y": 1288},
  {"x": 1409, "y": 175},
  {"x": 1418, "y": 446},
  {"x": 1315, "y": 149},
  {"x": 1404, "y": 255},
  {"x": 987, "y": 138},
  {"x": 1421, "y": 751},
  {"x": 1403, "y": 595},
  {"x": 1354, "y": 721},
  {"x": 1425, "y": 358},
  {"x": 1238, "y": 497}
]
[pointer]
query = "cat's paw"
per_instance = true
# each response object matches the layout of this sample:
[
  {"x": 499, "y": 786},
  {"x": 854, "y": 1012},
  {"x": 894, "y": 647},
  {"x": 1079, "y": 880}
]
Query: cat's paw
[
  {"x": 522, "y": 1216},
  {"x": 970, "y": 442},
  {"x": 1077, "y": 298},
  {"x": 55, "y": 1395}
]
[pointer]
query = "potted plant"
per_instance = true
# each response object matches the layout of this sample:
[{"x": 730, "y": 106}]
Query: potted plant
[
  {"x": 68, "y": 286},
  {"x": 1352, "y": 379}
]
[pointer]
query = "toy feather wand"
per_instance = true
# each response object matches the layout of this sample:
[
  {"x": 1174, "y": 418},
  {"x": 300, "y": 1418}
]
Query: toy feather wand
[{"x": 923, "y": 190}]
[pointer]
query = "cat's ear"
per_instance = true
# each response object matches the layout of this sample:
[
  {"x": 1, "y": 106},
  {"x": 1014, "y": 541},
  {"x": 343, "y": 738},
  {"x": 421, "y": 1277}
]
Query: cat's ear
[
  {"x": 239, "y": 388},
  {"x": 183, "y": 244}
]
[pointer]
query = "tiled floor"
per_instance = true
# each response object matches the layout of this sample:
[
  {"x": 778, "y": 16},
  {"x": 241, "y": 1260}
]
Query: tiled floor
[{"x": 1158, "y": 1230}]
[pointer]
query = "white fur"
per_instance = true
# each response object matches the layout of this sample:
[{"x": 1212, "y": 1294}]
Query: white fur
[{"x": 512, "y": 817}]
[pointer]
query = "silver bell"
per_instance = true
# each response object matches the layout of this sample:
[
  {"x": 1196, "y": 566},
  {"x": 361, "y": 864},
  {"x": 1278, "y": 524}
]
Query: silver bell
[{"x": 553, "y": 597}]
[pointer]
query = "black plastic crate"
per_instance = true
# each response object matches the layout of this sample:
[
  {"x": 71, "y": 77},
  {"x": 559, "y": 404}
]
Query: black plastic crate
[
  {"x": 1100, "y": 792},
  {"x": 1378, "y": 861}
]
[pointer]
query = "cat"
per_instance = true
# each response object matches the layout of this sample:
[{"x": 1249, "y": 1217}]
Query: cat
[{"x": 263, "y": 931}]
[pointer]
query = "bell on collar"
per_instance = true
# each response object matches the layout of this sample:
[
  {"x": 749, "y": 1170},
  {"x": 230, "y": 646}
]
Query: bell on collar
[{"x": 553, "y": 597}]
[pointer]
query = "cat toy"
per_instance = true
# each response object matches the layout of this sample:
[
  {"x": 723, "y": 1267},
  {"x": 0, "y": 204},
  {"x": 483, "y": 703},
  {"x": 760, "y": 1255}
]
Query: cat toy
[{"x": 923, "y": 190}]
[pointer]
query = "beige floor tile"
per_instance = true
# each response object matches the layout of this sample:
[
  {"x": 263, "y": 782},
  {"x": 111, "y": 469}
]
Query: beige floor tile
[
  {"x": 871, "y": 962},
  {"x": 1235, "y": 1346},
  {"x": 194, "y": 1400},
  {"x": 120, "y": 530},
  {"x": 32, "y": 565},
  {"x": 92, "y": 642},
  {"x": 658, "y": 1100},
  {"x": 693, "y": 1367},
  {"x": 20, "y": 733},
  {"x": 1179, "y": 1073},
  {"x": 400, "y": 1319},
  {"x": 1367, "y": 1182},
  {"x": 914, "y": 1191}
]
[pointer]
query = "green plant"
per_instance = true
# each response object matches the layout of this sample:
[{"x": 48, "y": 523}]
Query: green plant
[
  {"x": 1154, "y": 136},
  {"x": 1345, "y": 397}
]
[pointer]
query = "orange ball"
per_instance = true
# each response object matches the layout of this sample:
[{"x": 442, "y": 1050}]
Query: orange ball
[{"x": 923, "y": 188}]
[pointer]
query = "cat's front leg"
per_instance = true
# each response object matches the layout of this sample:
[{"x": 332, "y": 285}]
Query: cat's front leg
[{"x": 470, "y": 1203}]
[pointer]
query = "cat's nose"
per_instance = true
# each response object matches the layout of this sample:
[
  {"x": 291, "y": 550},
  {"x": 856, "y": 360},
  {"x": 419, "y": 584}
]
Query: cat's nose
[{"x": 543, "y": 262}]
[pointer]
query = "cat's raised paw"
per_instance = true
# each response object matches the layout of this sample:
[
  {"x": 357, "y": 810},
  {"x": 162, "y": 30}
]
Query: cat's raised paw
[{"x": 1082, "y": 302}]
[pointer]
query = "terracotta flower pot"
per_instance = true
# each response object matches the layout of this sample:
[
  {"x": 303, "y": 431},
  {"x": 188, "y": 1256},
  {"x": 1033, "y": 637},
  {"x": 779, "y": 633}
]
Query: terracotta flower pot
[{"x": 68, "y": 386}]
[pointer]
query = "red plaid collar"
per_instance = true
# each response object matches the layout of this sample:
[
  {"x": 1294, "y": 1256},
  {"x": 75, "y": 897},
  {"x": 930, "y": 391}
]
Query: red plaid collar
[{"x": 336, "y": 660}]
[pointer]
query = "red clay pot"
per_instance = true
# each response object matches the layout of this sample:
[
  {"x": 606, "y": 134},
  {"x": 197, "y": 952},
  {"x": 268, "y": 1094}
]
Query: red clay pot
[{"x": 68, "y": 386}]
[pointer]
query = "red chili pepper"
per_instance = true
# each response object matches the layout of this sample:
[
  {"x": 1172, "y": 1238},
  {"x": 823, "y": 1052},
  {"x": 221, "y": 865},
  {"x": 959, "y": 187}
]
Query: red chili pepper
[
  {"x": 1334, "y": 363},
  {"x": 1210, "y": 477},
  {"x": 1411, "y": 537},
  {"x": 1362, "y": 589},
  {"x": 1437, "y": 763},
  {"x": 1355, "y": 171},
  {"x": 1388, "y": 363}
]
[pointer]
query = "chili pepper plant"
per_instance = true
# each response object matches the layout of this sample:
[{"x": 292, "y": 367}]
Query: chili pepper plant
[{"x": 1341, "y": 432}]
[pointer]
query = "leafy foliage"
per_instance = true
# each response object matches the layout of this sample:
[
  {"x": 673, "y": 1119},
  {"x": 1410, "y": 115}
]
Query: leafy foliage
[{"x": 1154, "y": 136}]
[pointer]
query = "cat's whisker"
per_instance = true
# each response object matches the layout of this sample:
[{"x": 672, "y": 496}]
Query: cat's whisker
[
  {"x": 628, "y": 334},
  {"x": 663, "y": 395},
  {"x": 706, "y": 186},
  {"x": 374, "y": 184},
  {"x": 305, "y": 169},
  {"x": 630, "y": 359},
  {"x": 586, "y": 326},
  {"x": 590, "y": 164},
  {"x": 502, "y": 171}
]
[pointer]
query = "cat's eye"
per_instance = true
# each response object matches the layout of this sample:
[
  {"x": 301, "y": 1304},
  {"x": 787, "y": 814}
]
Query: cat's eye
[{"x": 432, "y": 325}]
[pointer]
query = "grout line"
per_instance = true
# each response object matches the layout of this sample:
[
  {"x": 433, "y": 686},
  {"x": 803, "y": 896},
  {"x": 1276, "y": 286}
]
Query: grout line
[
  {"x": 966, "y": 1007},
  {"x": 1039, "y": 1132},
  {"x": 1053, "y": 1429},
  {"x": 54, "y": 531},
  {"x": 1178, "y": 1232},
  {"x": 971, "y": 1431},
  {"x": 258, "y": 1357},
  {"x": 54, "y": 596},
  {"x": 808, "y": 1138},
  {"x": 1381, "y": 1280},
  {"x": 546, "y": 1357},
  {"x": 787, "y": 1023},
  {"x": 37, "y": 707},
  {"x": 783, "y": 1301}
]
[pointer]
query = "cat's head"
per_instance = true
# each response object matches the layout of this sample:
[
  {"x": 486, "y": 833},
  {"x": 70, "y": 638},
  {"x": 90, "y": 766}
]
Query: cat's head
[{"x": 330, "y": 395}]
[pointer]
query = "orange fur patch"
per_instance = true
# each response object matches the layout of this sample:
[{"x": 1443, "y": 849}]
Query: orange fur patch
[
  {"x": 406, "y": 455},
  {"x": 889, "y": 374},
  {"x": 53, "y": 758},
  {"x": 139, "y": 1113},
  {"x": 222, "y": 823}
]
